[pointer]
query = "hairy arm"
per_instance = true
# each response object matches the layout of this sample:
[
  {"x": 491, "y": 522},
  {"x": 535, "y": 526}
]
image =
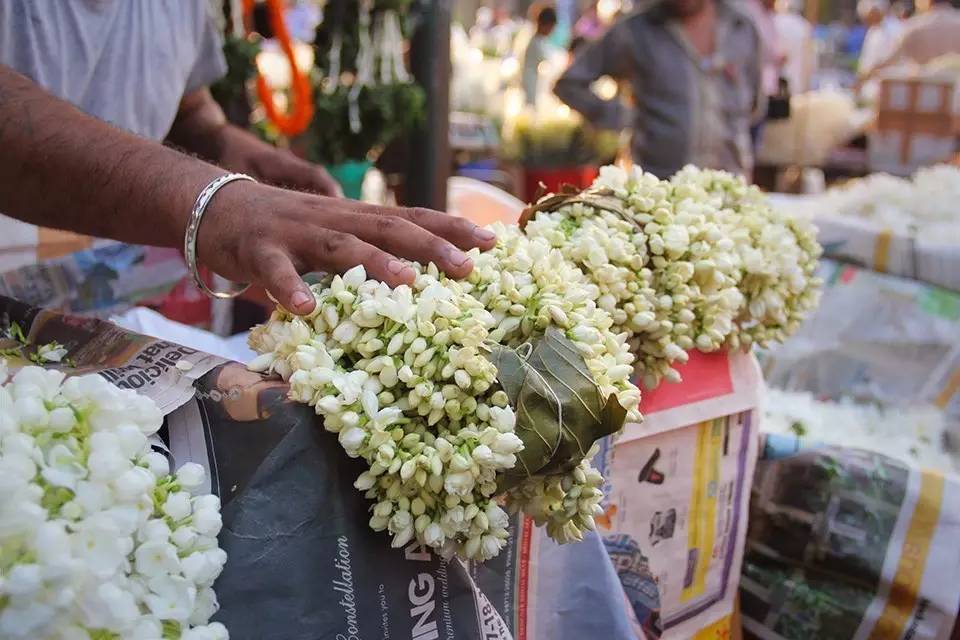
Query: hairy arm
[
  {"x": 61, "y": 168},
  {"x": 202, "y": 128}
]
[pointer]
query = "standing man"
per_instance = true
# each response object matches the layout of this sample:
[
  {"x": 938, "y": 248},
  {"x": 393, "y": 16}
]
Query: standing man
[
  {"x": 537, "y": 51},
  {"x": 796, "y": 43},
  {"x": 88, "y": 88},
  {"x": 883, "y": 32},
  {"x": 695, "y": 71}
]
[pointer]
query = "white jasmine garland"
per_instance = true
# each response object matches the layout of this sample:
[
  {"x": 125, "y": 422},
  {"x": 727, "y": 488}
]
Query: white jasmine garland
[
  {"x": 98, "y": 540},
  {"x": 401, "y": 375}
]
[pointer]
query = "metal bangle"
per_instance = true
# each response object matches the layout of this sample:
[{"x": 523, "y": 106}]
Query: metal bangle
[{"x": 193, "y": 228}]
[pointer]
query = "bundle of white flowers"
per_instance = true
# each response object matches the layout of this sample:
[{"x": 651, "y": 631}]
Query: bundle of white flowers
[
  {"x": 97, "y": 539},
  {"x": 416, "y": 383},
  {"x": 455, "y": 393},
  {"x": 699, "y": 261}
]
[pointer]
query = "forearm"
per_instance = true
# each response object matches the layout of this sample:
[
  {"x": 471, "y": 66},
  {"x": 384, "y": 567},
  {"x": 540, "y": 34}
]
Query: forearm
[
  {"x": 64, "y": 169},
  {"x": 202, "y": 128},
  {"x": 602, "y": 58}
]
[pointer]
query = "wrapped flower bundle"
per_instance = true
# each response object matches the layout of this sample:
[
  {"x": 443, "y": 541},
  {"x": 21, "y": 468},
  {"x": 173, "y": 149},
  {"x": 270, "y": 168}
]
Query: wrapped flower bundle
[
  {"x": 459, "y": 393},
  {"x": 923, "y": 206},
  {"x": 423, "y": 385},
  {"x": 97, "y": 539}
]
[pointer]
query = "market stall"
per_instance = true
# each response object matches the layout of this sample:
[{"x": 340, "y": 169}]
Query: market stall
[{"x": 657, "y": 407}]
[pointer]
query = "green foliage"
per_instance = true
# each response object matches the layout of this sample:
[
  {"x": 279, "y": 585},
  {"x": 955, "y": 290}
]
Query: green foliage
[
  {"x": 550, "y": 142},
  {"x": 560, "y": 410},
  {"x": 343, "y": 17},
  {"x": 386, "y": 112},
  {"x": 241, "y": 56}
]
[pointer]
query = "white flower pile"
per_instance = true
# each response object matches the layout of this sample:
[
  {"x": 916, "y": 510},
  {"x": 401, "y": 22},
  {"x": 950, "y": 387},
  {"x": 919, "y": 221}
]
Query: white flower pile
[
  {"x": 915, "y": 435},
  {"x": 923, "y": 206},
  {"x": 401, "y": 376},
  {"x": 97, "y": 539},
  {"x": 820, "y": 121},
  {"x": 699, "y": 261}
]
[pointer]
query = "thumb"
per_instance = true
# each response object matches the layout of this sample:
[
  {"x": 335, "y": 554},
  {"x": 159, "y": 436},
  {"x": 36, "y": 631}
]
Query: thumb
[{"x": 281, "y": 280}]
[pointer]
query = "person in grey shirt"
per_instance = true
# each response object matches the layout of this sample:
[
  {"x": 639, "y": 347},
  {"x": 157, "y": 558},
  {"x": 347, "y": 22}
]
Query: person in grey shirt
[
  {"x": 694, "y": 71},
  {"x": 89, "y": 88}
]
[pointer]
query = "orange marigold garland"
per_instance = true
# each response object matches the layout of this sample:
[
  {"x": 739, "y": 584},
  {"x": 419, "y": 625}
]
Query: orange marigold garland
[{"x": 297, "y": 121}]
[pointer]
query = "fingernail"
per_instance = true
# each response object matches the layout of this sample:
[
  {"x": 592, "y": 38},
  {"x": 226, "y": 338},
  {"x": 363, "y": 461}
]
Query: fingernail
[
  {"x": 484, "y": 235},
  {"x": 396, "y": 267},
  {"x": 456, "y": 257},
  {"x": 299, "y": 299}
]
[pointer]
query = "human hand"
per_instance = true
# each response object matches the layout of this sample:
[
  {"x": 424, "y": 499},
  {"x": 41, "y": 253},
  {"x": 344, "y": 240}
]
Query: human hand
[
  {"x": 283, "y": 169},
  {"x": 268, "y": 236}
]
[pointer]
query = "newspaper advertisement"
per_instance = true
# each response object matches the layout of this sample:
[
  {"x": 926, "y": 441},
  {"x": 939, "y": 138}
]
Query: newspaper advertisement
[
  {"x": 542, "y": 589},
  {"x": 677, "y": 497},
  {"x": 846, "y": 543},
  {"x": 303, "y": 561},
  {"x": 161, "y": 370},
  {"x": 874, "y": 338},
  {"x": 100, "y": 281}
]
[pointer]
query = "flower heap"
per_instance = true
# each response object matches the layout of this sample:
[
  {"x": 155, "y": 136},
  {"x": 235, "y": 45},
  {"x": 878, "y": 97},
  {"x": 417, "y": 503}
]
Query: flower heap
[
  {"x": 402, "y": 376},
  {"x": 700, "y": 261},
  {"x": 97, "y": 539}
]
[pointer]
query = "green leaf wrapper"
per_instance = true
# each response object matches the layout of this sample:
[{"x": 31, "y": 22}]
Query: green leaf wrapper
[{"x": 560, "y": 410}]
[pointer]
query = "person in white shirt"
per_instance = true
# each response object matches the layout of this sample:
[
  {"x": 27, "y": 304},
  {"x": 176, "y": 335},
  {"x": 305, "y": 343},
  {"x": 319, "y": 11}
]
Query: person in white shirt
[
  {"x": 537, "y": 51},
  {"x": 883, "y": 31},
  {"x": 925, "y": 37},
  {"x": 796, "y": 43}
]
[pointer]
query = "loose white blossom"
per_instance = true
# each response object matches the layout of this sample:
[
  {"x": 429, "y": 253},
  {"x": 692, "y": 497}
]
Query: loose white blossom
[{"x": 98, "y": 539}]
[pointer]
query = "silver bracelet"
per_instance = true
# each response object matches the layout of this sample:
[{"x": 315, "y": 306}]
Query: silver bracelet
[{"x": 193, "y": 228}]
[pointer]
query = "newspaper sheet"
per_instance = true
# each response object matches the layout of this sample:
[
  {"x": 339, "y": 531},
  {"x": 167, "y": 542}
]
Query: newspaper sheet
[
  {"x": 875, "y": 338},
  {"x": 100, "y": 281},
  {"x": 849, "y": 544},
  {"x": 677, "y": 497}
]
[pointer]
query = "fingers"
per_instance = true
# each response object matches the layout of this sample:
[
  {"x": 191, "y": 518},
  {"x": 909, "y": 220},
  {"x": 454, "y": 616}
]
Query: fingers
[
  {"x": 336, "y": 252},
  {"x": 407, "y": 240},
  {"x": 326, "y": 185},
  {"x": 455, "y": 229},
  {"x": 277, "y": 274},
  {"x": 294, "y": 173}
]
